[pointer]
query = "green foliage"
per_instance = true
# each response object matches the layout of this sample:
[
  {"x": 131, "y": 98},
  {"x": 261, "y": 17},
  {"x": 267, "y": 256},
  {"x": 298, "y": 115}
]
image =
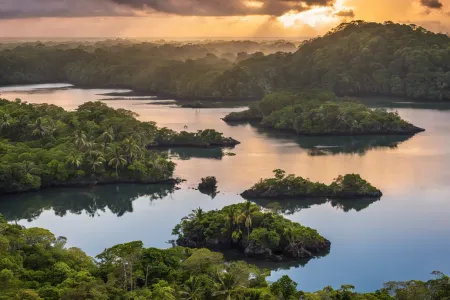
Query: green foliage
[
  {"x": 321, "y": 113},
  {"x": 208, "y": 185},
  {"x": 222, "y": 228},
  {"x": 347, "y": 186},
  {"x": 45, "y": 146},
  {"x": 356, "y": 58},
  {"x": 35, "y": 265}
]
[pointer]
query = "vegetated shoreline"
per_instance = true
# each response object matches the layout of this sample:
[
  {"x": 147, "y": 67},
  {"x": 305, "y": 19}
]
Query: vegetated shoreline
[
  {"x": 256, "y": 233},
  {"x": 89, "y": 184},
  {"x": 254, "y": 122},
  {"x": 229, "y": 143},
  {"x": 282, "y": 186},
  {"x": 250, "y": 195}
]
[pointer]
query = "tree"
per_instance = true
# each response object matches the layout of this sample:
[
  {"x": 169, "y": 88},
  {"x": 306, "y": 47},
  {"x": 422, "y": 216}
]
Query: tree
[
  {"x": 284, "y": 287},
  {"x": 227, "y": 284},
  {"x": 192, "y": 289},
  {"x": 117, "y": 161},
  {"x": 248, "y": 210},
  {"x": 95, "y": 161}
]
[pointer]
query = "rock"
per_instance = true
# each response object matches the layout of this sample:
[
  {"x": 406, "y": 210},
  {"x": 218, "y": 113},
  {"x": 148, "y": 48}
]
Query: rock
[{"x": 254, "y": 249}]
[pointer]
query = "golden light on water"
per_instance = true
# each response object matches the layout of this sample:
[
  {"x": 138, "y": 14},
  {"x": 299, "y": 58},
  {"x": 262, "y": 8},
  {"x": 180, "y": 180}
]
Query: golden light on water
[{"x": 316, "y": 16}]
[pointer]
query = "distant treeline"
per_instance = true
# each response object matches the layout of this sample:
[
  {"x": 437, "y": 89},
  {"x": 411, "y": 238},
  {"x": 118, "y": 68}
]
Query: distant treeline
[{"x": 357, "y": 58}]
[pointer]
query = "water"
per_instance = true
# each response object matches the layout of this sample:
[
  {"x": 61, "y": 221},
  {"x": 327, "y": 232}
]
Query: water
[{"x": 403, "y": 236}]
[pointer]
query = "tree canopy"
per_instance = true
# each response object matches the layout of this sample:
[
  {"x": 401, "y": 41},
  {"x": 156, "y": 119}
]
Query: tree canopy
[
  {"x": 322, "y": 113},
  {"x": 356, "y": 58},
  {"x": 34, "y": 264},
  {"x": 291, "y": 186}
]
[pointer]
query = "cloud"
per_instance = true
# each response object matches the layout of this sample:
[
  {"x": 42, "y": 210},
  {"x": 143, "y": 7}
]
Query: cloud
[
  {"x": 346, "y": 13},
  {"x": 10, "y": 9},
  {"x": 436, "y": 4},
  {"x": 15, "y": 9}
]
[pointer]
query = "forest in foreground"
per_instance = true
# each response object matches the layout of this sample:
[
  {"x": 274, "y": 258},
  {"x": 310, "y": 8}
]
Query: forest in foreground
[
  {"x": 37, "y": 265},
  {"x": 354, "y": 59}
]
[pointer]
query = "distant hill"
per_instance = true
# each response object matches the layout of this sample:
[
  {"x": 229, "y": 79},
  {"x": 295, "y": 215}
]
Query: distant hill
[
  {"x": 357, "y": 58},
  {"x": 353, "y": 59}
]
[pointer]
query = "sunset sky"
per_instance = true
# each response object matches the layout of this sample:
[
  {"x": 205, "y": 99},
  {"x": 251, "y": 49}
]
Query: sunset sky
[{"x": 208, "y": 18}]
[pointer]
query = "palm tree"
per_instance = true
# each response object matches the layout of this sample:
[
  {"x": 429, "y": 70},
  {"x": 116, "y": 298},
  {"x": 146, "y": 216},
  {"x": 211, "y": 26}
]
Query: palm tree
[
  {"x": 95, "y": 160},
  {"x": 227, "y": 284},
  {"x": 39, "y": 129},
  {"x": 117, "y": 161},
  {"x": 192, "y": 289},
  {"x": 247, "y": 213},
  {"x": 74, "y": 159},
  {"x": 132, "y": 149},
  {"x": 5, "y": 122},
  {"x": 80, "y": 139},
  {"x": 197, "y": 215},
  {"x": 107, "y": 137}
]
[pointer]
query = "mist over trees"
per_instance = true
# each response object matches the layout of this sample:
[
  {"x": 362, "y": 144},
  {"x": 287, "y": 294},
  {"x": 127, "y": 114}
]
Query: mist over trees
[{"x": 357, "y": 58}]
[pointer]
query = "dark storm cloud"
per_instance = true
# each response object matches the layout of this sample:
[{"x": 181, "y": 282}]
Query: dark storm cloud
[
  {"x": 11, "y": 9},
  {"x": 432, "y": 4},
  {"x": 223, "y": 7},
  {"x": 84, "y": 8},
  {"x": 346, "y": 13}
]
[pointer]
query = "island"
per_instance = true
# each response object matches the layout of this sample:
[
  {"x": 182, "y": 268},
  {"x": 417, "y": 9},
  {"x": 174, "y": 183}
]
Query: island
[
  {"x": 39, "y": 265},
  {"x": 254, "y": 232},
  {"x": 321, "y": 113},
  {"x": 167, "y": 138},
  {"x": 43, "y": 145},
  {"x": 291, "y": 186}
]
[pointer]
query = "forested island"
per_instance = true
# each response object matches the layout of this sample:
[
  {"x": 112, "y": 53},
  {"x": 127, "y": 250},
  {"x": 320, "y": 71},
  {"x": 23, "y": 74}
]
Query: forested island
[
  {"x": 256, "y": 233},
  {"x": 43, "y": 145},
  {"x": 167, "y": 138},
  {"x": 291, "y": 186},
  {"x": 37, "y": 265},
  {"x": 356, "y": 58},
  {"x": 321, "y": 113}
]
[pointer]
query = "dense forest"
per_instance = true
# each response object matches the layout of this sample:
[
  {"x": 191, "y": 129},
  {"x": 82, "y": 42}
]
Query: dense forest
[
  {"x": 321, "y": 113},
  {"x": 291, "y": 186},
  {"x": 37, "y": 265},
  {"x": 356, "y": 58},
  {"x": 43, "y": 145}
]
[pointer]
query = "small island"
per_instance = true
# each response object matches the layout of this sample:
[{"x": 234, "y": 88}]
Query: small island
[
  {"x": 321, "y": 113},
  {"x": 291, "y": 186},
  {"x": 256, "y": 233},
  {"x": 167, "y": 138}
]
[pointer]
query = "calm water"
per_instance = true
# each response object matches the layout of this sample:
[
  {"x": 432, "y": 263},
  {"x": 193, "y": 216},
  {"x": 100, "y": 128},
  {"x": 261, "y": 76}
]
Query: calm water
[{"x": 405, "y": 235}]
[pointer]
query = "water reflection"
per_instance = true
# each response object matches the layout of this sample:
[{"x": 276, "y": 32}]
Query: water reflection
[
  {"x": 189, "y": 153},
  {"x": 118, "y": 199},
  {"x": 233, "y": 254},
  {"x": 291, "y": 206},
  {"x": 331, "y": 145}
]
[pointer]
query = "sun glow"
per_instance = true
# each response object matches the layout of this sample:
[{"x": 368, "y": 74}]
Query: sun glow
[{"x": 316, "y": 16}]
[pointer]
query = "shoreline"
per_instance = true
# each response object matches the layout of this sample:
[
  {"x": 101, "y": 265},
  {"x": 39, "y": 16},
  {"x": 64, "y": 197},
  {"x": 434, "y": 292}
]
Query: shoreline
[{"x": 171, "y": 181}]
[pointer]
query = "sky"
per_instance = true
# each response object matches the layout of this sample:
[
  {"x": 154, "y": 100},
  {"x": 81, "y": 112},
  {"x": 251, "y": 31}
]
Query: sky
[{"x": 208, "y": 18}]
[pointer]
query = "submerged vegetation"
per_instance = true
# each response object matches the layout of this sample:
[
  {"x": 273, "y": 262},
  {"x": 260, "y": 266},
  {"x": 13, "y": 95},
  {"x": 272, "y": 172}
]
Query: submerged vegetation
[
  {"x": 37, "y": 265},
  {"x": 321, "y": 113},
  {"x": 291, "y": 186},
  {"x": 356, "y": 58},
  {"x": 257, "y": 233}
]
